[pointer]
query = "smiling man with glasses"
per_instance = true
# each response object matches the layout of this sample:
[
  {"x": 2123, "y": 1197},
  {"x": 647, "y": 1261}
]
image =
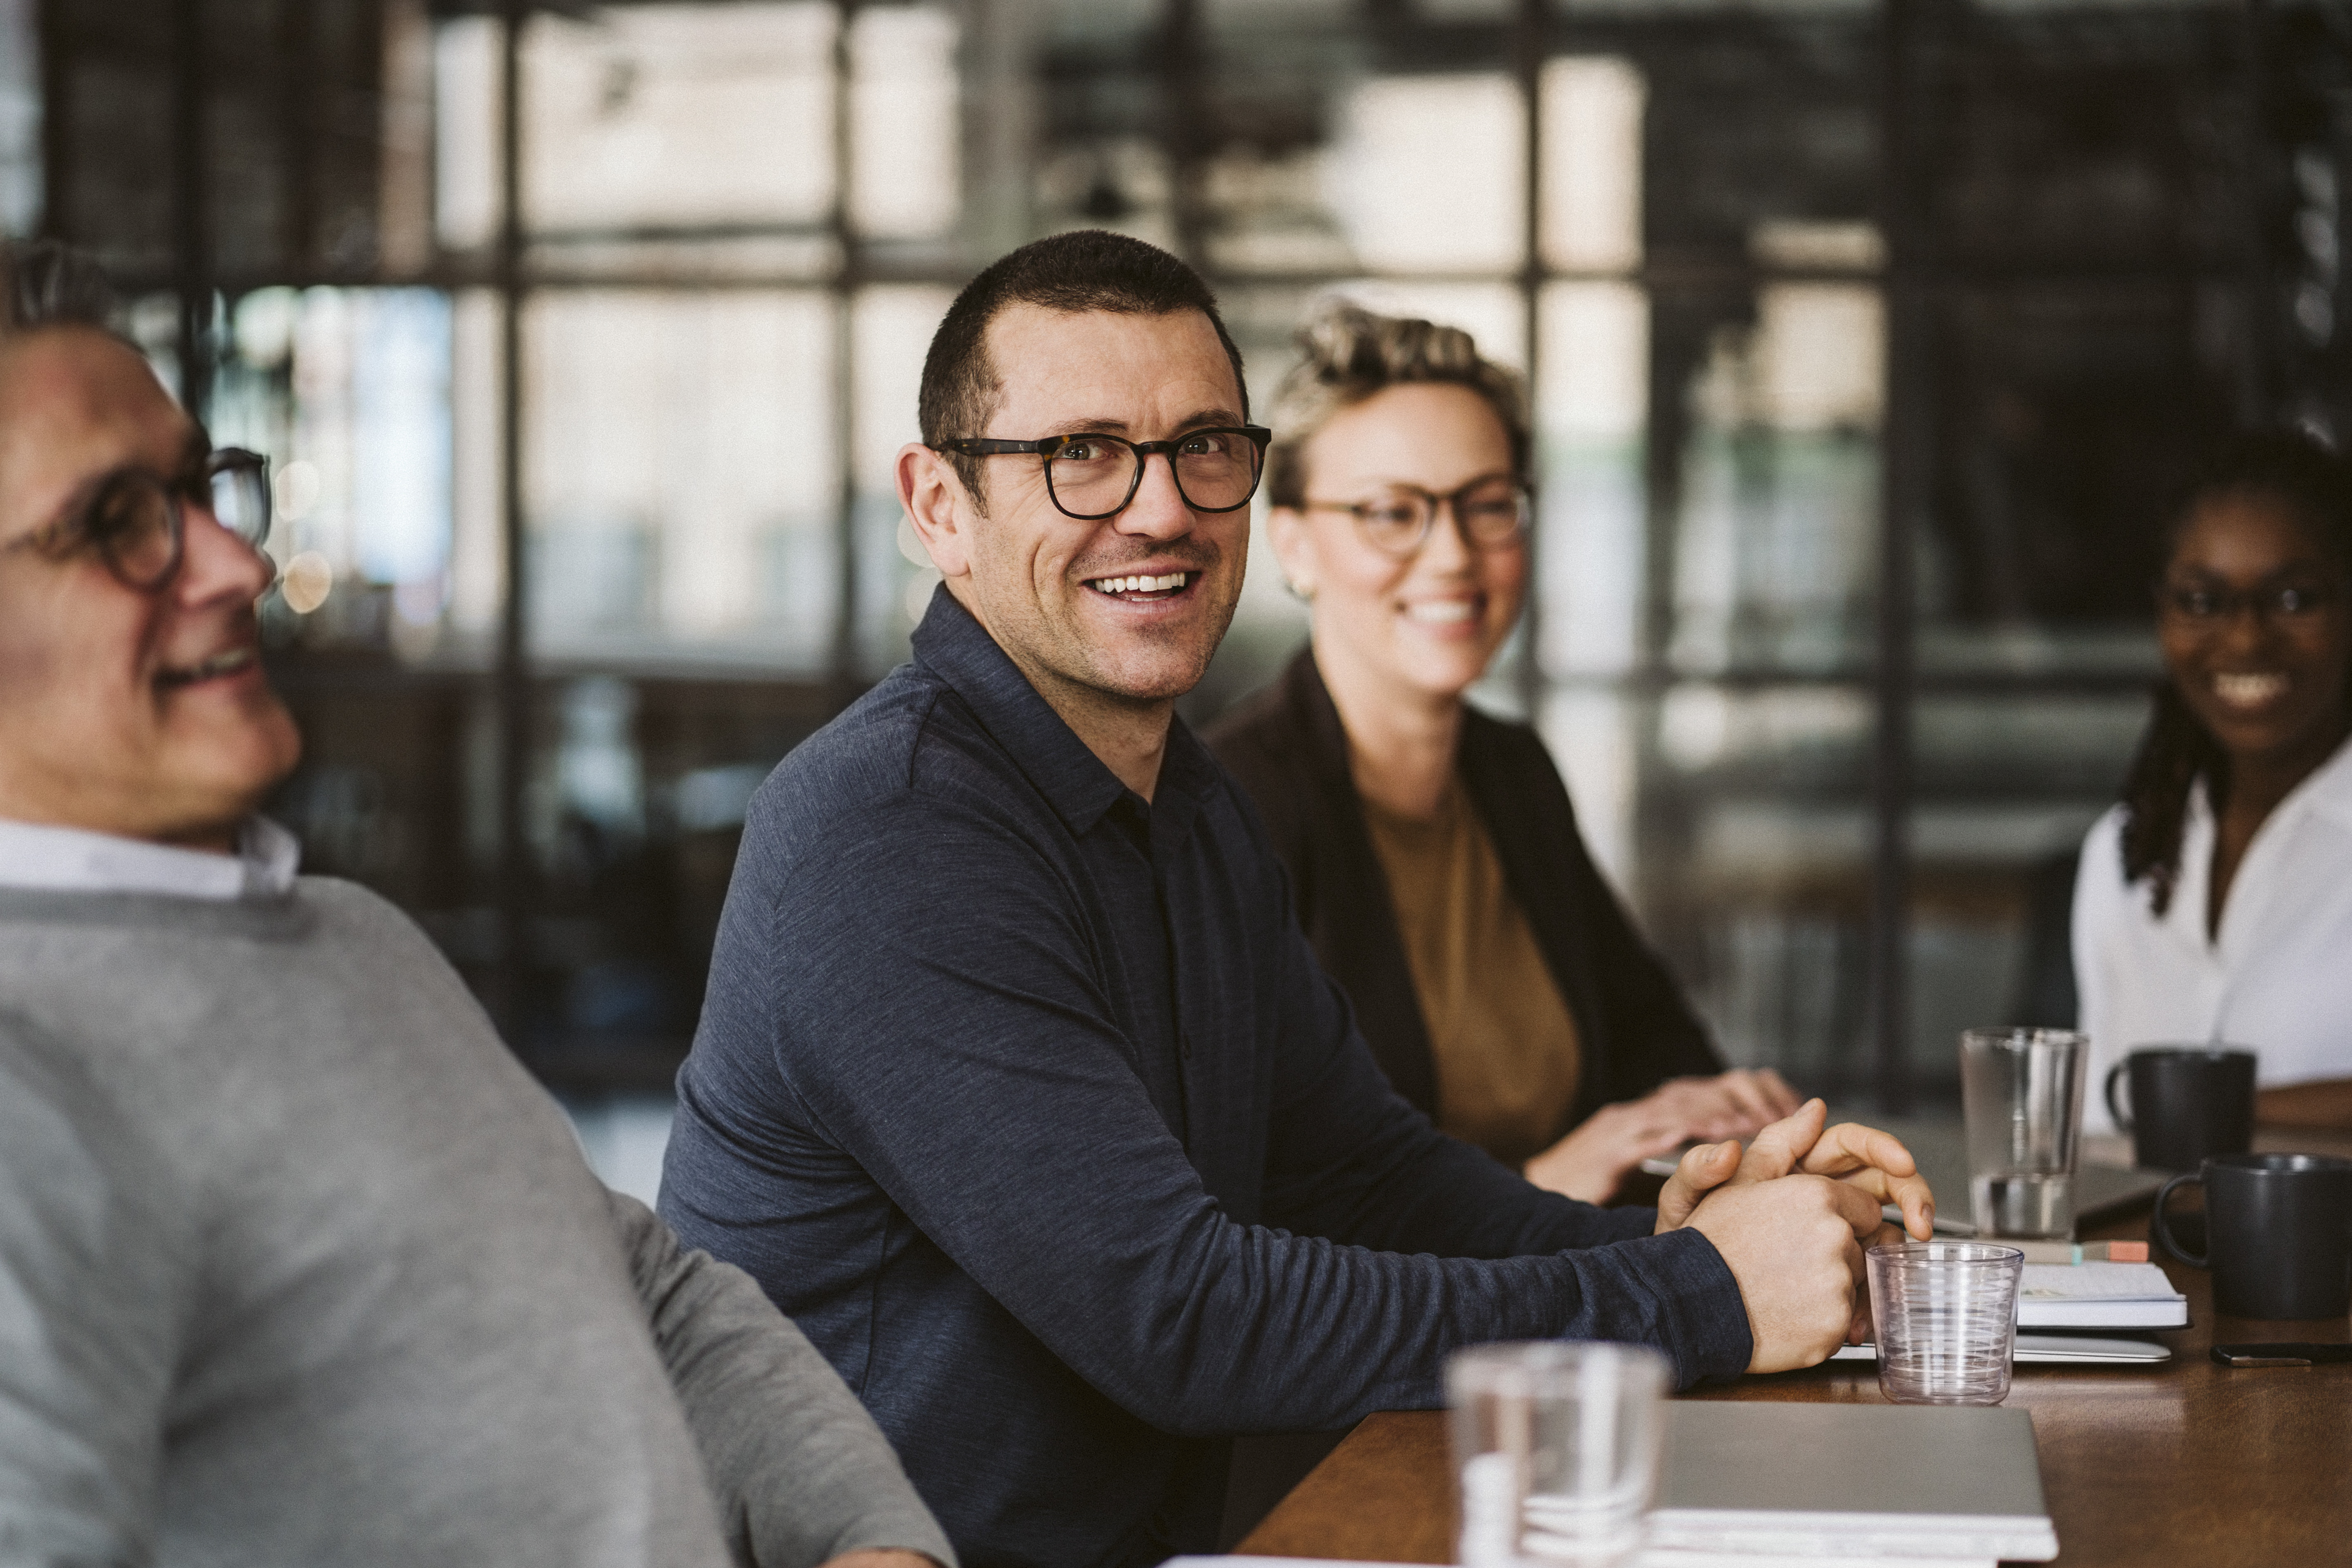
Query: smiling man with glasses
[
  {"x": 132, "y": 695},
  {"x": 1016, "y": 1083},
  {"x": 296, "y": 1265}
]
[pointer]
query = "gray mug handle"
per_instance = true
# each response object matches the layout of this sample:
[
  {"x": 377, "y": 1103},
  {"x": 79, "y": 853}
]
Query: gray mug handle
[
  {"x": 2108, "y": 1094},
  {"x": 2163, "y": 1228}
]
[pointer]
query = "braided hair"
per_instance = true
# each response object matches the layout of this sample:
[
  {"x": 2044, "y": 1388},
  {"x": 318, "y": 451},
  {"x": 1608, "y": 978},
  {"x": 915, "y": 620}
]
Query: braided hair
[{"x": 2291, "y": 468}]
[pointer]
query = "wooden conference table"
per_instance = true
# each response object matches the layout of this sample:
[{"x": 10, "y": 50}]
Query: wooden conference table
[{"x": 2186, "y": 1464}]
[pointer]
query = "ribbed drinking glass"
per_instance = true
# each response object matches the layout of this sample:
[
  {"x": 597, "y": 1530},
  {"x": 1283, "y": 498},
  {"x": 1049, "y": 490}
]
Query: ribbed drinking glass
[{"x": 1947, "y": 1318}]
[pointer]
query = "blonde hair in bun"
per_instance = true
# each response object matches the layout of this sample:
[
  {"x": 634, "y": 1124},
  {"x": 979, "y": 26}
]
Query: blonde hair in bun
[{"x": 1347, "y": 354}]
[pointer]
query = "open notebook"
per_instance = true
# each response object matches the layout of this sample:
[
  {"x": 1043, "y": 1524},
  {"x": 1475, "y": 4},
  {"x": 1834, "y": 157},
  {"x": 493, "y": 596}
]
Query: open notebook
[{"x": 2099, "y": 1295}]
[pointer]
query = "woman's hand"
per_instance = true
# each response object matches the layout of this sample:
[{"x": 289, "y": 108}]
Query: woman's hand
[
  {"x": 1590, "y": 1162},
  {"x": 1737, "y": 1104},
  {"x": 1593, "y": 1160}
]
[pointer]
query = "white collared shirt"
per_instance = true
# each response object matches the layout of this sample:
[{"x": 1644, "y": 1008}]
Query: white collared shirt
[
  {"x": 2276, "y": 979},
  {"x": 73, "y": 861}
]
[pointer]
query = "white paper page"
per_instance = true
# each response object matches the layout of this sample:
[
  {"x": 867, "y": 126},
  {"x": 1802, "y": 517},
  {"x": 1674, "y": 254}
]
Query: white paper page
[{"x": 2095, "y": 1282}]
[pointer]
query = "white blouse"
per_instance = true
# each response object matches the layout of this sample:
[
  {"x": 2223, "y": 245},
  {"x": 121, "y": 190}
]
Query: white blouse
[{"x": 2277, "y": 980}]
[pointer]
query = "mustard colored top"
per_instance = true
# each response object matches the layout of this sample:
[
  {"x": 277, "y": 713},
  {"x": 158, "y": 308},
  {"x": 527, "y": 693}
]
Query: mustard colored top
[{"x": 1505, "y": 1045}]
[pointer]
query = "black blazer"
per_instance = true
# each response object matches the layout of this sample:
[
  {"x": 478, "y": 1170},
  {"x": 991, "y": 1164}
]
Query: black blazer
[{"x": 1287, "y": 748}]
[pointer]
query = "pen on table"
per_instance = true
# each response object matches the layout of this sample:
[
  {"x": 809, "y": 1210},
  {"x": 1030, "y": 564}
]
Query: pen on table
[
  {"x": 2082, "y": 1251},
  {"x": 2051, "y": 1251}
]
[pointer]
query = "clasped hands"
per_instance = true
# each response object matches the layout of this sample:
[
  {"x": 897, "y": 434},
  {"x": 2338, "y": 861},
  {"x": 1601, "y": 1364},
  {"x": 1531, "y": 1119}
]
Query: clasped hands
[{"x": 1792, "y": 1214}]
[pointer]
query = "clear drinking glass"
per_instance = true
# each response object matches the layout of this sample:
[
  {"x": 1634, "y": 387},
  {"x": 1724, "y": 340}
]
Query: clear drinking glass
[
  {"x": 1945, "y": 1313},
  {"x": 2023, "y": 1092},
  {"x": 1555, "y": 1448}
]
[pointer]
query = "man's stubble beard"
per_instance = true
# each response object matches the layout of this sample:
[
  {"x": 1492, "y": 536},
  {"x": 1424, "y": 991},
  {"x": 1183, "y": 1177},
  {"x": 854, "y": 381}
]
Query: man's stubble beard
[
  {"x": 1076, "y": 663},
  {"x": 1079, "y": 663},
  {"x": 1212, "y": 636}
]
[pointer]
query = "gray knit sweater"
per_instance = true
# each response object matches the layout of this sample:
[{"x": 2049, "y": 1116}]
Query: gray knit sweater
[{"x": 297, "y": 1266}]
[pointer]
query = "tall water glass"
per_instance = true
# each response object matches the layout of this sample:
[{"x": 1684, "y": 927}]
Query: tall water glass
[
  {"x": 1556, "y": 1450},
  {"x": 2022, "y": 1090},
  {"x": 1946, "y": 1319}
]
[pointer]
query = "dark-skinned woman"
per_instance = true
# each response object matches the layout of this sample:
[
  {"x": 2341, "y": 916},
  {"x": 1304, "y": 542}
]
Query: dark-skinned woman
[{"x": 2214, "y": 901}]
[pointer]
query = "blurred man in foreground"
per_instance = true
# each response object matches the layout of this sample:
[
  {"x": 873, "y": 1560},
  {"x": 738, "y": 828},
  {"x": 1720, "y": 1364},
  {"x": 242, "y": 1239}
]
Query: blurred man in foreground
[
  {"x": 1017, "y": 1083},
  {"x": 298, "y": 1266}
]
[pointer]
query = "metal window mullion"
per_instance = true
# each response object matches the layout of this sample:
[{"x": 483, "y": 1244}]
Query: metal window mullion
[
  {"x": 1185, "y": 132},
  {"x": 1529, "y": 38},
  {"x": 191, "y": 205},
  {"x": 846, "y": 281},
  {"x": 298, "y": 134},
  {"x": 1908, "y": 67},
  {"x": 513, "y": 681},
  {"x": 54, "y": 28}
]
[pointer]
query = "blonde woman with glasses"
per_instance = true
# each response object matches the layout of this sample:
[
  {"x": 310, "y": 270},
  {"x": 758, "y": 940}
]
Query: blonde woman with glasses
[{"x": 1432, "y": 849}]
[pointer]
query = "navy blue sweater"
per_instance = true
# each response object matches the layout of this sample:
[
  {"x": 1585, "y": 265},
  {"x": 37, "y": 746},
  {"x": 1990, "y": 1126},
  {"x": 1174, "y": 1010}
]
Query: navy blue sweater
[{"x": 1029, "y": 1102}]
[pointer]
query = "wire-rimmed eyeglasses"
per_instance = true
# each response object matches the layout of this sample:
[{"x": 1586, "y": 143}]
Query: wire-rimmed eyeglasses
[
  {"x": 1491, "y": 512},
  {"x": 135, "y": 519},
  {"x": 1092, "y": 477}
]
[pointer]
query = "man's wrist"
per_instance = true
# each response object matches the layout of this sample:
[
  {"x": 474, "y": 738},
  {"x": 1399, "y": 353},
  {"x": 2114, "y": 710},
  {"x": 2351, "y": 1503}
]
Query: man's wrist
[{"x": 1707, "y": 1325}]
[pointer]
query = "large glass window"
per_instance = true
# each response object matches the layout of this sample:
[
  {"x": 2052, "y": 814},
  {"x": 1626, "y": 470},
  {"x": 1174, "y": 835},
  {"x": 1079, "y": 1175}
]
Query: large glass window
[{"x": 1854, "y": 408}]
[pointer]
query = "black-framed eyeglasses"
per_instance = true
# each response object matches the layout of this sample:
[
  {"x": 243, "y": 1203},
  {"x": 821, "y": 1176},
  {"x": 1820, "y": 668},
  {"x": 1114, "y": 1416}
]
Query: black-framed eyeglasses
[
  {"x": 1092, "y": 477},
  {"x": 134, "y": 517},
  {"x": 2205, "y": 605},
  {"x": 1491, "y": 512}
]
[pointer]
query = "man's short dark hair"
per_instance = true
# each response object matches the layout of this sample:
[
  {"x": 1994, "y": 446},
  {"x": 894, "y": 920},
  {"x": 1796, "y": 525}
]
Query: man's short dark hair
[
  {"x": 1090, "y": 269},
  {"x": 45, "y": 284}
]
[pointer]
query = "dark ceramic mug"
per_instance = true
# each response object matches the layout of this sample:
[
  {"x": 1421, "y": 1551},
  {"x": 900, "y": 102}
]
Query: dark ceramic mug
[
  {"x": 2278, "y": 1232},
  {"x": 2187, "y": 1104}
]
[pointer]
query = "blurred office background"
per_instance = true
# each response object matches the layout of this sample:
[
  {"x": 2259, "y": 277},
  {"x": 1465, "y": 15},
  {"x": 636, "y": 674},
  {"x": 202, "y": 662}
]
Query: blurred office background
[{"x": 1867, "y": 337}]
